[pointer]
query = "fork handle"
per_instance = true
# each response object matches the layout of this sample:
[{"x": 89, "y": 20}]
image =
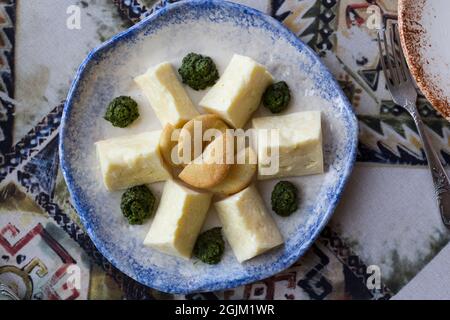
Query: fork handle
[{"x": 440, "y": 178}]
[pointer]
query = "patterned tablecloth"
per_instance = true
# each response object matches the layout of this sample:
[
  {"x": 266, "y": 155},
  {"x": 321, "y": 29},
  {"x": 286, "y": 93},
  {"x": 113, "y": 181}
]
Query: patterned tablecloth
[{"x": 44, "y": 251}]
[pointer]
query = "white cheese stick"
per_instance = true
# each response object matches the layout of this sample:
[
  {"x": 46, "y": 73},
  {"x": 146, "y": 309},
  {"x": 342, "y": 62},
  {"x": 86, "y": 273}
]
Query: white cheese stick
[
  {"x": 178, "y": 220},
  {"x": 238, "y": 92},
  {"x": 131, "y": 160},
  {"x": 299, "y": 145},
  {"x": 248, "y": 227},
  {"x": 166, "y": 95}
]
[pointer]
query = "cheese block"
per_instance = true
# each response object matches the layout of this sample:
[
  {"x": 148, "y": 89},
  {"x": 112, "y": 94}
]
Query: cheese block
[
  {"x": 238, "y": 92},
  {"x": 299, "y": 145},
  {"x": 167, "y": 96},
  {"x": 131, "y": 160},
  {"x": 178, "y": 220},
  {"x": 248, "y": 227}
]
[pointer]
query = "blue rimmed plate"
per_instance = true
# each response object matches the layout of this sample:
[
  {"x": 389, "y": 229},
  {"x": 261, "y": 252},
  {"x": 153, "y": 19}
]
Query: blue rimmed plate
[{"x": 217, "y": 29}]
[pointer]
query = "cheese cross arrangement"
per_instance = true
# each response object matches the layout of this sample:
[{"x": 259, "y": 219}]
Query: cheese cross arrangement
[{"x": 197, "y": 156}]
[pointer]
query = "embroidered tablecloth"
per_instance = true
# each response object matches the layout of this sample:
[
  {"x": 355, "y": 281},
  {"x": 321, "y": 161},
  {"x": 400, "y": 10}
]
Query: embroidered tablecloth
[{"x": 43, "y": 245}]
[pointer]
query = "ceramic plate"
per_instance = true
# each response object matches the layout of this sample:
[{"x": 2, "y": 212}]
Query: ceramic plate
[
  {"x": 217, "y": 29},
  {"x": 426, "y": 41}
]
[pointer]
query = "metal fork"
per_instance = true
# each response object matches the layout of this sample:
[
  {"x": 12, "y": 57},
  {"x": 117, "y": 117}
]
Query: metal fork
[{"x": 403, "y": 91}]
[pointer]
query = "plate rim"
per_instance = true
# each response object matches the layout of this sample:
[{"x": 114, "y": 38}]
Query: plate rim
[
  {"x": 294, "y": 255},
  {"x": 410, "y": 35}
]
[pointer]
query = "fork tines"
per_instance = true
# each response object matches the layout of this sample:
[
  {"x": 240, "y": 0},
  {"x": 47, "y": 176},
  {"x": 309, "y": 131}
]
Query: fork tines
[{"x": 392, "y": 60}]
